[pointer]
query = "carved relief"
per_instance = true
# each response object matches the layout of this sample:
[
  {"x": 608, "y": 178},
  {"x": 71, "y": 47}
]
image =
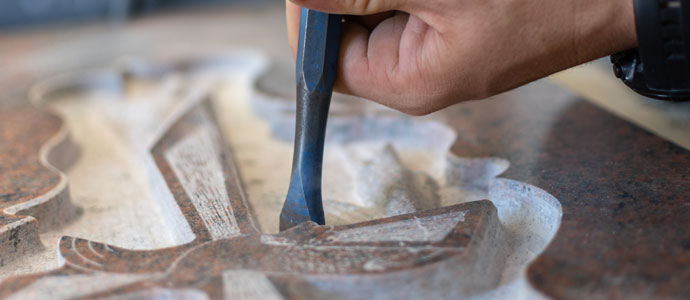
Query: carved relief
[
  {"x": 411, "y": 234},
  {"x": 34, "y": 195},
  {"x": 442, "y": 244},
  {"x": 623, "y": 190}
]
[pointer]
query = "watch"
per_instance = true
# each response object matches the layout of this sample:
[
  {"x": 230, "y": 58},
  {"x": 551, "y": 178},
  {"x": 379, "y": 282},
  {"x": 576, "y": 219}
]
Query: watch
[{"x": 660, "y": 66}]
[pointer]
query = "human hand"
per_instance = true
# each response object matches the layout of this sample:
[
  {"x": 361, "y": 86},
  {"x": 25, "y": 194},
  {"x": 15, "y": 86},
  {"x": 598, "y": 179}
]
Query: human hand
[{"x": 419, "y": 56}]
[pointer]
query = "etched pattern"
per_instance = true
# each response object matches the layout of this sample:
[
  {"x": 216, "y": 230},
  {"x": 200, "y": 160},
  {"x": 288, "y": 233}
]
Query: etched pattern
[
  {"x": 230, "y": 259},
  {"x": 429, "y": 229},
  {"x": 195, "y": 161}
]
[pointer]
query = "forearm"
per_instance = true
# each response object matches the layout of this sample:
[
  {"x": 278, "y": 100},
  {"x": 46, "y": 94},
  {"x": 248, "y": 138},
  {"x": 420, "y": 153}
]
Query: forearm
[{"x": 544, "y": 37}]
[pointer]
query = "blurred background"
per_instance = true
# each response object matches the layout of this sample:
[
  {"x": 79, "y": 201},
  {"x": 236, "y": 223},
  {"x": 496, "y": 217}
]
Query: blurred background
[{"x": 26, "y": 13}]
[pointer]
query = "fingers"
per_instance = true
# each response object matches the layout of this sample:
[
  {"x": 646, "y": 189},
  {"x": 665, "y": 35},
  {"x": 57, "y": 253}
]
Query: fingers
[
  {"x": 371, "y": 21},
  {"x": 292, "y": 14},
  {"x": 353, "y": 7},
  {"x": 368, "y": 62},
  {"x": 352, "y": 59},
  {"x": 379, "y": 56},
  {"x": 355, "y": 73}
]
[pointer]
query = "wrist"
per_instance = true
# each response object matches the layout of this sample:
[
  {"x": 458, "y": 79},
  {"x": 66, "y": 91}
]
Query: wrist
[
  {"x": 624, "y": 30},
  {"x": 604, "y": 28}
]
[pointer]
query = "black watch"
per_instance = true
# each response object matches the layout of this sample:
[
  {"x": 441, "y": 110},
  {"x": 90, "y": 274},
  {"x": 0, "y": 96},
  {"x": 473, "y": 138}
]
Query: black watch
[{"x": 660, "y": 66}]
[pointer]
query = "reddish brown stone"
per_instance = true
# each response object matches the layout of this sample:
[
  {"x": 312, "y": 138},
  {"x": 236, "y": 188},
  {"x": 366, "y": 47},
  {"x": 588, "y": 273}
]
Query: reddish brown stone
[
  {"x": 33, "y": 143},
  {"x": 625, "y": 193}
]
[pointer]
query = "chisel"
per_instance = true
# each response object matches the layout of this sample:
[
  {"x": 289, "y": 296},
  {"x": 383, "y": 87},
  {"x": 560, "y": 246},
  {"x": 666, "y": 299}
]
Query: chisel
[{"x": 317, "y": 58}]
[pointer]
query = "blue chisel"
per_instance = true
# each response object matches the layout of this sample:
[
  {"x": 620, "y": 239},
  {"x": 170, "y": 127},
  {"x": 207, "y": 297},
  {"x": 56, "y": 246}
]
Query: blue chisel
[{"x": 317, "y": 57}]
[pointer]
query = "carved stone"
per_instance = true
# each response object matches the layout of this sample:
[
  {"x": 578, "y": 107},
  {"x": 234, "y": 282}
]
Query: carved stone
[
  {"x": 34, "y": 193},
  {"x": 583, "y": 205},
  {"x": 418, "y": 254}
]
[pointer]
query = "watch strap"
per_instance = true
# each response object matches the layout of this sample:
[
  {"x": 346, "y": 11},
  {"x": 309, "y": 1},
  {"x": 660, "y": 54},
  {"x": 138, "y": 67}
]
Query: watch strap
[{"x": 660, "y": 67}]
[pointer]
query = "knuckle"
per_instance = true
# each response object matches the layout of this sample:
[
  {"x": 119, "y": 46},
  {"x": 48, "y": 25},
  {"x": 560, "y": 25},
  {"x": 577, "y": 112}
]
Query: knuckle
[
  {"x": 419, "y": 111},
  {"x": 362, "y": 6},
  {"x": 416, "y": 106},
  {"x": 424, "y": 101},
  {"x": 413, "y": 99},
  {"x": 487, "y": 88}
]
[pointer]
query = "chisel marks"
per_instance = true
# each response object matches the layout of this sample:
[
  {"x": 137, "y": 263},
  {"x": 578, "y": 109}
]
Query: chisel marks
[{"x": 195, "y": 161}]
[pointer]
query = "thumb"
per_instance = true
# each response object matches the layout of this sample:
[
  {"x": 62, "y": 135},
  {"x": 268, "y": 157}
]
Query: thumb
[{"x": 353, "y": 7}]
